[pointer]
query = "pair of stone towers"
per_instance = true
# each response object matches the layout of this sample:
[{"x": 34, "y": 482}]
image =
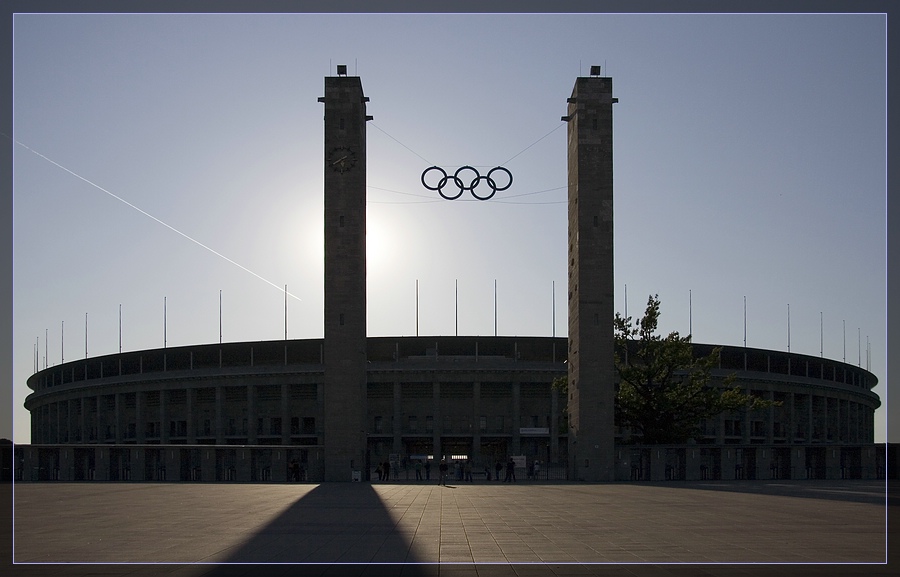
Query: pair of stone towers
[{"x": 591, "y": 288}]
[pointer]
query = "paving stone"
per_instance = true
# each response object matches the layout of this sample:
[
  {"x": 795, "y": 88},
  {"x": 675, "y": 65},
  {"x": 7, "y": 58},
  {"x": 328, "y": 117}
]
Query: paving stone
[{"x": 485, "y": 530}]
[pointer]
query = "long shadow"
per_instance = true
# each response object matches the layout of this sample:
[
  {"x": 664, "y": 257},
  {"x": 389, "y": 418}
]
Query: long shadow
[
  {"x": 334, "y": 523},
  {"x": 855, "y": 491}
]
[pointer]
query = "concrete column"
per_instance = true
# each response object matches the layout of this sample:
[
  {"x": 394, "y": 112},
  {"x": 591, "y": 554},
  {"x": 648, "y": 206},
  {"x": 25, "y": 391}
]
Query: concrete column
[
  {"x": 764, "y": 458},
  {"x": 100, "y": 423},
  {"x": 251, "y": 416},
  {"x": 398, "y": 424},
  {"x": 279, "y": 465},
  {"x": 118, "y": 416},
  {"x": 792, "y": 419},
  {"x": 475, "y": 457},
  {"x": 138, "y": 468},
  {"x": 810, "y": 419},
  {"x": 220, "y": 424},
  {"x": 139, "y": 427},
  {"x": 438, "y": 423},
  {"x": 190, "y": 396},
  {"x": 82, "y": 421},
  {"x": 832, "y": 463},
  {"x": 320, "y": 412},
  {"x": 516, "y": 418},
  {"x": 798, "y": 462},
  {"x": 554, "y": 426},
  {"x": 243, "y": 465},
  {"x": 67, "y": 464},
  {"x": 745, "y": 419},
  {"x": 868, "y": 459},
  {"x": 840, "y": 436},
  {"x": 208, "y": 462},
  {"x": 56, "y": 438},
  {"x": 164, "y": 427},
  {"x": 729, "y": 460},
  {"x": 70, "y": 424},
  {"x": 101, "y": 461},
  {"x": 657, "y": 464},
  {"x": 285, "y": 414},
  {"x": 691, "y": 464},
  {"x": 172, "y": 461}
]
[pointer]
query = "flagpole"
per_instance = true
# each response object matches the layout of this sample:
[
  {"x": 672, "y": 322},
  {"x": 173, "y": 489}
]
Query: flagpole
[
  {"x": 85, "y": 336},
  {"x": 495, "y": 307},
  {"x": 821, "y": 336},
  {"x": 553, "y": 307},
  {"x": 120, "y": 328},
  {"x": 62, "y": 342},
  {"x": 285, "y": 312},
  {"x": 690, "y": 315},
  {"x": 417, "y": 307},
  {"x": 789, "y": 327},
  {"x": 745, "y": 321},
  {"x": 456, "y": 314},
  {"x": 220, "y": 316}
]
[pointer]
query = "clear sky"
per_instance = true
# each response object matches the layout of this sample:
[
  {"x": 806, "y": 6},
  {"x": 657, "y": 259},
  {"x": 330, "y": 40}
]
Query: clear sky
[{"x": 182, "y": 155}]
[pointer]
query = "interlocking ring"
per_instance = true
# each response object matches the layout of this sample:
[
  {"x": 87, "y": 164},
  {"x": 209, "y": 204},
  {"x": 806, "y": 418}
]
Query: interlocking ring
[{"x": 460, "y": 184}]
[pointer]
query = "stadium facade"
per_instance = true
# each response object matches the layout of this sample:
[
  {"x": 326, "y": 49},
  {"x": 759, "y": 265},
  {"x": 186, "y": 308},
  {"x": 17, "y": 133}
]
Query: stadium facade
[{"x": 331, "y": 409}]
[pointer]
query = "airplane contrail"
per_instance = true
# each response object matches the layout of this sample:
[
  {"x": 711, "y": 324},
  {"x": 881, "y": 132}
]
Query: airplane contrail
[{"x": 145, "y": 213}]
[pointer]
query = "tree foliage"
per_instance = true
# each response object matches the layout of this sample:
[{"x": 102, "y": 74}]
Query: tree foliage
[{"x": 664, "y": 391}]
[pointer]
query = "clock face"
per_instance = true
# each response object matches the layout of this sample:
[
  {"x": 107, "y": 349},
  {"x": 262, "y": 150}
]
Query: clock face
[{"x": 341, "y": 159}]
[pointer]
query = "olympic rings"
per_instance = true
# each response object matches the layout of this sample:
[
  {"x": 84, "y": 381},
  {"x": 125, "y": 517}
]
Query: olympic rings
[{"x": 473, "y": 182}]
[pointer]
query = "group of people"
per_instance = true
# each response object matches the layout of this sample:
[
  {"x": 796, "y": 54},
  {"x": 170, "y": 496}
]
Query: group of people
[
  {"x": 460, "y": 470},
  {"x": 383, "y": 470}
]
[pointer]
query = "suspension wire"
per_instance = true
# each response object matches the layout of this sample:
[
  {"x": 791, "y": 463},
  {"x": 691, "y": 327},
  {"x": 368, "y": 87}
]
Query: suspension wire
[
  {"x": 560, "y": 125},
  {"x": 400, "y": 143},
  {"x": 147, "y": 214},
  {"x": 431, "y": 199}
]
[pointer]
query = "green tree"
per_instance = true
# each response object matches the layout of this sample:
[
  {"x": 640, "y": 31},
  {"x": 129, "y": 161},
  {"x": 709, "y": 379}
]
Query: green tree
[{"x": 664, "y": 391}]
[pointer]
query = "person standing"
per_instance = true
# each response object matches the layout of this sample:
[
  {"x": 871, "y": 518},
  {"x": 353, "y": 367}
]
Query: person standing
[
  {"x": 442, "y": 469},
  {"x": 387, "y": 470},
  {"x": 418, "y": 467},
  {"x": 497, "y": 468},
  {"x": 427, "y": 469},
  {"x": 510, "y": 471}
]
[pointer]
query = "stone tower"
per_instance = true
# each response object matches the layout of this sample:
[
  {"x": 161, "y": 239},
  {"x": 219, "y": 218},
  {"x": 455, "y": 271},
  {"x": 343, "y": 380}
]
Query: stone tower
[
  {"x": 591, "y": 288},
  {"x": 345, "y": 276}
]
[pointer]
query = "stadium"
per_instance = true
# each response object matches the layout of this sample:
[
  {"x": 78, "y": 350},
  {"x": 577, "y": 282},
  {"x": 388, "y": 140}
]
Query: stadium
[
  {"x": 258, "y": 406},
  {"x": 336, "y": 408}
]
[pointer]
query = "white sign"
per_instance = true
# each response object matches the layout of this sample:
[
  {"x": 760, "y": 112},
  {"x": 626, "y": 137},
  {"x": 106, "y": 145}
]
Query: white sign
[{"x": 534, "y": 431}]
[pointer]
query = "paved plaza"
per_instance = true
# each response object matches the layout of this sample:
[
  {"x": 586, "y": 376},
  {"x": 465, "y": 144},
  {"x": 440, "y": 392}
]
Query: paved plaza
[{"x": 461, "y": 530}]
